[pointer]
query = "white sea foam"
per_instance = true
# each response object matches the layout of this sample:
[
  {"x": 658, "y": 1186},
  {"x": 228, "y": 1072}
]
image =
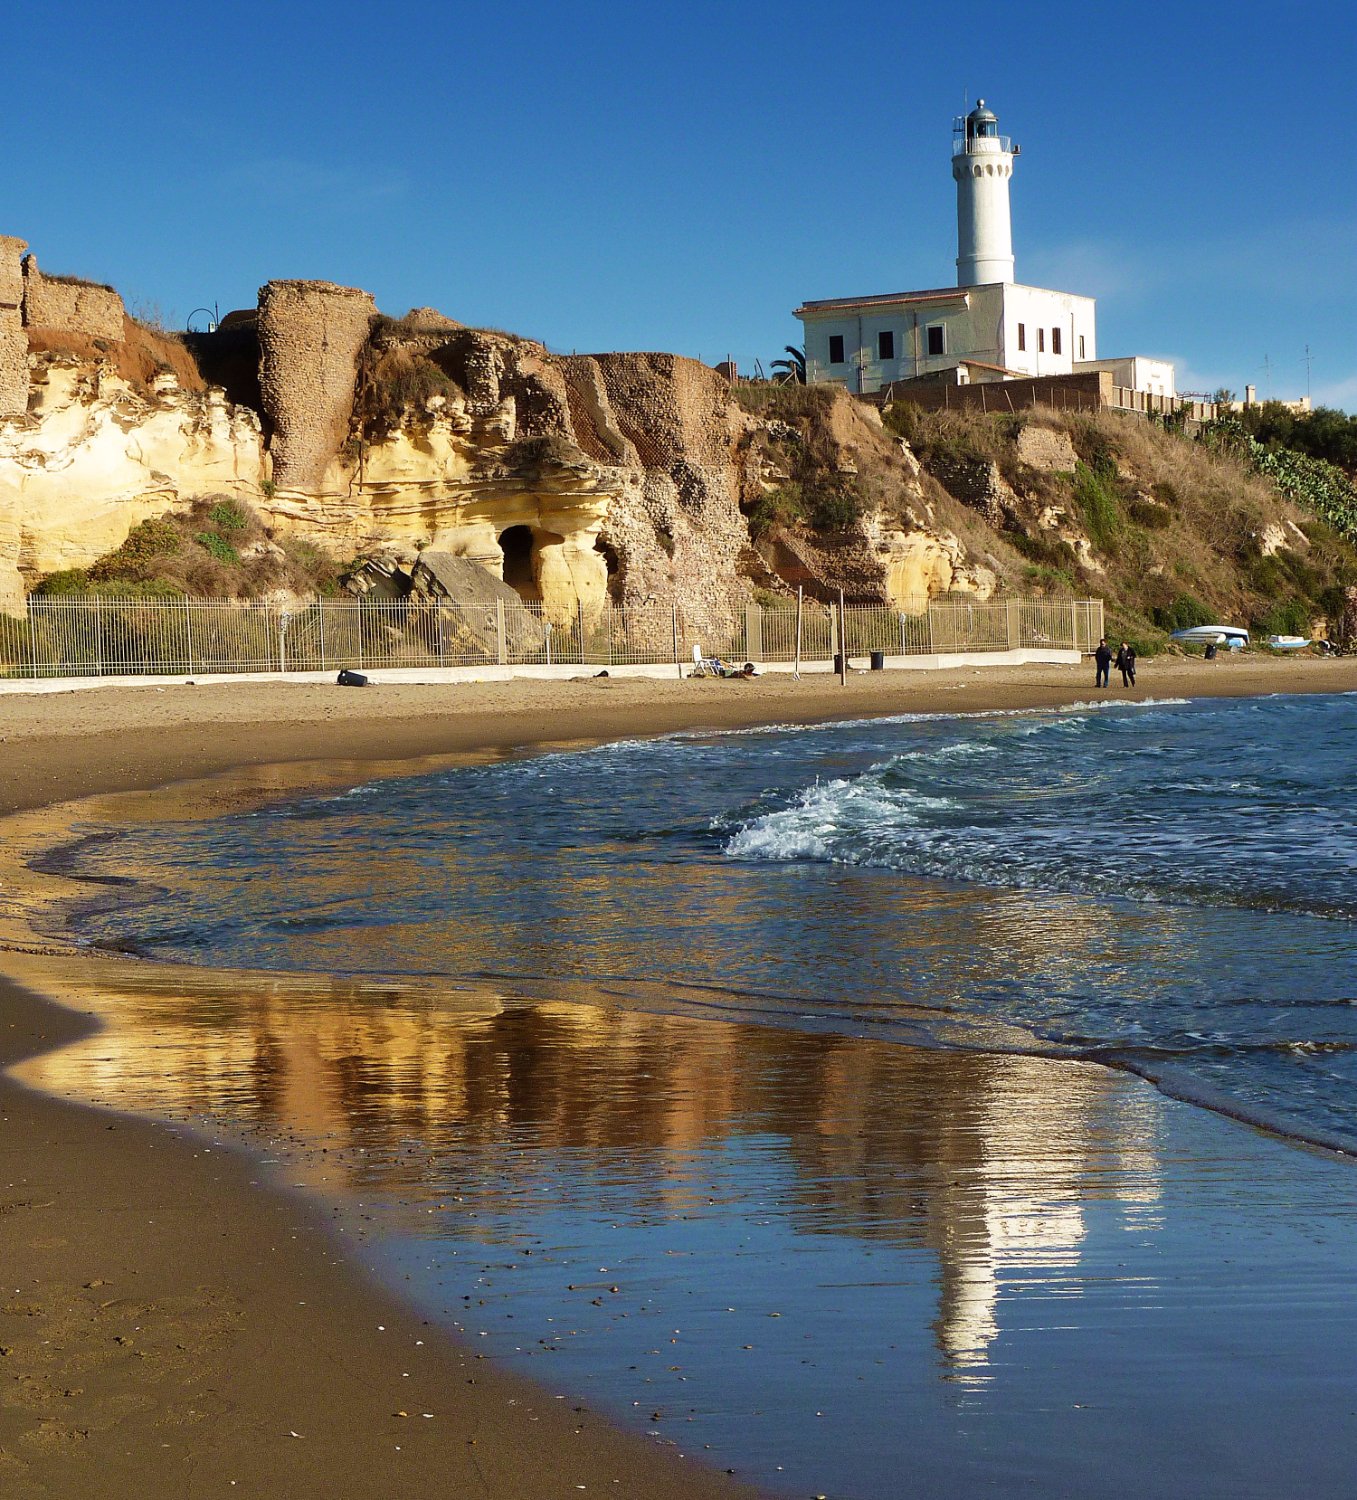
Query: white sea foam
[{"x": 842, "y": 821}]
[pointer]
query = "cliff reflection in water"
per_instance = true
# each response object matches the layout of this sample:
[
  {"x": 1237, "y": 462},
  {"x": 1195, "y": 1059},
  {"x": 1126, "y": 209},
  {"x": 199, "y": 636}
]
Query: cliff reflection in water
[{"x": 492, "y": 1111}]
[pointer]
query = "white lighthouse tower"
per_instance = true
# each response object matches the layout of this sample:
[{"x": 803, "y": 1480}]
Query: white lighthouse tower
[{"x": 982, "y": 163}]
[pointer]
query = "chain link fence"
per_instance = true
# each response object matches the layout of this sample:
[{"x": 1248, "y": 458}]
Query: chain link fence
[{"x": 110, "y": 637}]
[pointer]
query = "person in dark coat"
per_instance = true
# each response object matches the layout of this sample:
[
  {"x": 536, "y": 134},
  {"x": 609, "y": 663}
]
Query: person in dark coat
[
  {"x": 1126, "y": 664},
  {"x": 1102, "y": 658}
]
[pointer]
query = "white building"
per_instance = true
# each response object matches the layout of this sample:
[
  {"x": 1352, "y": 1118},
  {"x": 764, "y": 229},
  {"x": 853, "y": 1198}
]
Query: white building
[
  {"x": 986, "y": 328},
  {"x": 1136, "y": 372}
]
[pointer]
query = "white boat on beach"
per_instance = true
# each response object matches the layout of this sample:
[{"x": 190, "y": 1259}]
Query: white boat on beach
[
  {"x": 1233, "y": 636},
  {"x": 1288, "y": 642}
]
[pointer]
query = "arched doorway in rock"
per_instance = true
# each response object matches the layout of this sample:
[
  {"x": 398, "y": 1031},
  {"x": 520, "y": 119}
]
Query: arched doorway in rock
[{"x": 520, "y": 573}]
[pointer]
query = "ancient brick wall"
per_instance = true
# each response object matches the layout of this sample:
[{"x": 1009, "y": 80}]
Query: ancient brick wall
[
  {"x": 310, "y": 336},
  {"x": 13, "y": 341},
  {"x": 66, "y": 305}
]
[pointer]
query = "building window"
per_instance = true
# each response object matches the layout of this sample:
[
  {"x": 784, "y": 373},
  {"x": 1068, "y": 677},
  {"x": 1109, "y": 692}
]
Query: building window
[
  {"x": 1041, "y": 341},
  {"x": 1022, "y": 337},
  {"x": 836, "y": 348},
  {"x": 937, "y": 339},
  {"x": 1055, "y": 341},
  {"x": 885, "y": 345},
  {"x": 1082, "y": 355}
]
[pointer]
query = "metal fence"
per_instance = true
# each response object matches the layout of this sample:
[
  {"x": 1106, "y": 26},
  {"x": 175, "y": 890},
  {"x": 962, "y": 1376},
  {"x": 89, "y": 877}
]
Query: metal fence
[{"x": 110, "y": 637}]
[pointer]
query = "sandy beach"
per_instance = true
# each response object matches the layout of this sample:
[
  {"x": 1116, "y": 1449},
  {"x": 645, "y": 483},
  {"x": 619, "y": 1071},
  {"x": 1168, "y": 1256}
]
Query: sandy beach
[{"x": 170, "y": 1327}]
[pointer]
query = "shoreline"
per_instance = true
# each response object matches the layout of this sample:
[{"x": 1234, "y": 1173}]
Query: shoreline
[{"x": 75, "y": 1209}]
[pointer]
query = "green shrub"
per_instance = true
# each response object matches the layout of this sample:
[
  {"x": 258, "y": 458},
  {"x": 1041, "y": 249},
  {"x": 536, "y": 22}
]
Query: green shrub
[
  {"x": 145, "y": 544},
  {"x": 1149, "y": 515},
  {"x": 1046, "y": 580},
  {"x": 1185, "y": 612},
  {"x": 68, "y": 582},
  {"x": 835, "y": 506},
  {"x": 1043, "y": 547},
  {"x": 139, "y": 588},
  {"x": 1291, "y": 617},
  {"x": 783, "y": 506},
  {"x": 904, "y": 419},
  {"x": 1096, "y": 495},
  {"x": 217, "y": 546},
  {"x": 226, "y": 515}
]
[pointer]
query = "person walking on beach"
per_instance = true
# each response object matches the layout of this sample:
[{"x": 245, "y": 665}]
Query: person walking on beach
[
  {"x": 1126, "y": 664},
  {"x": 1102, "y": 658}
]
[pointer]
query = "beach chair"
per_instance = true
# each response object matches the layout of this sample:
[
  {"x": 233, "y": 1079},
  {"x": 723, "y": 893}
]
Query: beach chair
[{"x": 704, "y": 666}]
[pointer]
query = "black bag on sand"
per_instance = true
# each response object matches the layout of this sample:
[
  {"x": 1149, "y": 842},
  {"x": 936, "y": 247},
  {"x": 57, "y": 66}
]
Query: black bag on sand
[{"x": 351, "y": 679}]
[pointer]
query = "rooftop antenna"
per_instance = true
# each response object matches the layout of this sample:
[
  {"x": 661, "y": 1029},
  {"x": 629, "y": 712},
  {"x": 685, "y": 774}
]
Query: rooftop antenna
[
  {"x": 1267, "y": 377},
  {"x": 1309, "y": 359}
]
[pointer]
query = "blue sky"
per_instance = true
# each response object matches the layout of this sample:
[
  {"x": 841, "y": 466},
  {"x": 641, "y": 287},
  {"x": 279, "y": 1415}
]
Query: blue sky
[{"x": 610, "y": 176}]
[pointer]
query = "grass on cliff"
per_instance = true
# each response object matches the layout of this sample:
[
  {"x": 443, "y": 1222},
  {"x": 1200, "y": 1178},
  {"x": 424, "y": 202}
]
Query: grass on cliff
[
  {"x": 1182, "y": 531},
  {"x": 217, "y": 548},
  {"x": 395, "y": 387}
]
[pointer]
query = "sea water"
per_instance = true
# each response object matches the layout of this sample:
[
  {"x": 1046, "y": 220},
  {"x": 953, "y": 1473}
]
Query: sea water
[{"x": 798, "y": 1139}]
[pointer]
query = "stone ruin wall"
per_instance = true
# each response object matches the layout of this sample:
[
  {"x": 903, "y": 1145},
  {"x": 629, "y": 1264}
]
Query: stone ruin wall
[
  {"x": 70, "y": 306},
  {"x": 310, "y": 336},
  {"x": 13, "y": 340}
]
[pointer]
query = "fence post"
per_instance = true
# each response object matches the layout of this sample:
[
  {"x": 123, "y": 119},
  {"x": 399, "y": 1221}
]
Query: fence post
[
  {"x": 798, "y": 630},
  {"x": 357, "y": 608},
  {"x": 32, "y": 641},
  {"x": 753, "y": 632},
  {"x": 320, "y": 627},
  {"x": 843, "y": 644},
  {"x": 437, "y": 605},
  {"x": 678, "y": 666},
  {"x": 282, "y": 642},
  {"x": 98, "y": 636},
  {"x": 500, "y": 646},
  {"x": 904, "y": 648}
]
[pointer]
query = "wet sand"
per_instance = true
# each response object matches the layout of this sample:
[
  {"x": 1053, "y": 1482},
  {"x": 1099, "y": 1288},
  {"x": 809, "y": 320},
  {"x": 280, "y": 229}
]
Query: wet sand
[{"x": 169, "y": 1326}]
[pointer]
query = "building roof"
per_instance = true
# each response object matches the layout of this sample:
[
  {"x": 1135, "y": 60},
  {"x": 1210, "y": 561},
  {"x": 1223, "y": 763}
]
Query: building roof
[
  {"x": 981, "y": 364},
  {"x": 840, "y": 304},
  {"x": 933, "y": 295}
]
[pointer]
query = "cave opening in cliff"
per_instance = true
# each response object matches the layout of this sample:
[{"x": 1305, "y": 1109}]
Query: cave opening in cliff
[
  {"x": 520, "y": 574},
  {"x": 613, "y": 563}
]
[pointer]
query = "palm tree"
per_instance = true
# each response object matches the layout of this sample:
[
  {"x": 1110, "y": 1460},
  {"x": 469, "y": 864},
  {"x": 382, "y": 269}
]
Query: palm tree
[{"x": 792, "y": 370}]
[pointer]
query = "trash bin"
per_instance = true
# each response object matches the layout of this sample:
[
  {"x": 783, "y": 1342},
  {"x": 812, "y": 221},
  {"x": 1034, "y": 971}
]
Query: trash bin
[
  {"x": 838, "y": 665},
  {"x": 351, "y": 679},
  {"x": 878, "y": 661},
  {"x": 1211, "y": 652}
]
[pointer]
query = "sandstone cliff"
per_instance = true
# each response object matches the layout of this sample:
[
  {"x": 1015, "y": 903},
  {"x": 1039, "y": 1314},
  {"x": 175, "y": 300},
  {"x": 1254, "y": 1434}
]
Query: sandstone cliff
[{"x": 572, "y": 479}]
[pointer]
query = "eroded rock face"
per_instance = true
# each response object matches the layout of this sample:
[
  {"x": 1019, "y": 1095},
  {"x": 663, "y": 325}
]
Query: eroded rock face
[{"x": 95, "y": 457}]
